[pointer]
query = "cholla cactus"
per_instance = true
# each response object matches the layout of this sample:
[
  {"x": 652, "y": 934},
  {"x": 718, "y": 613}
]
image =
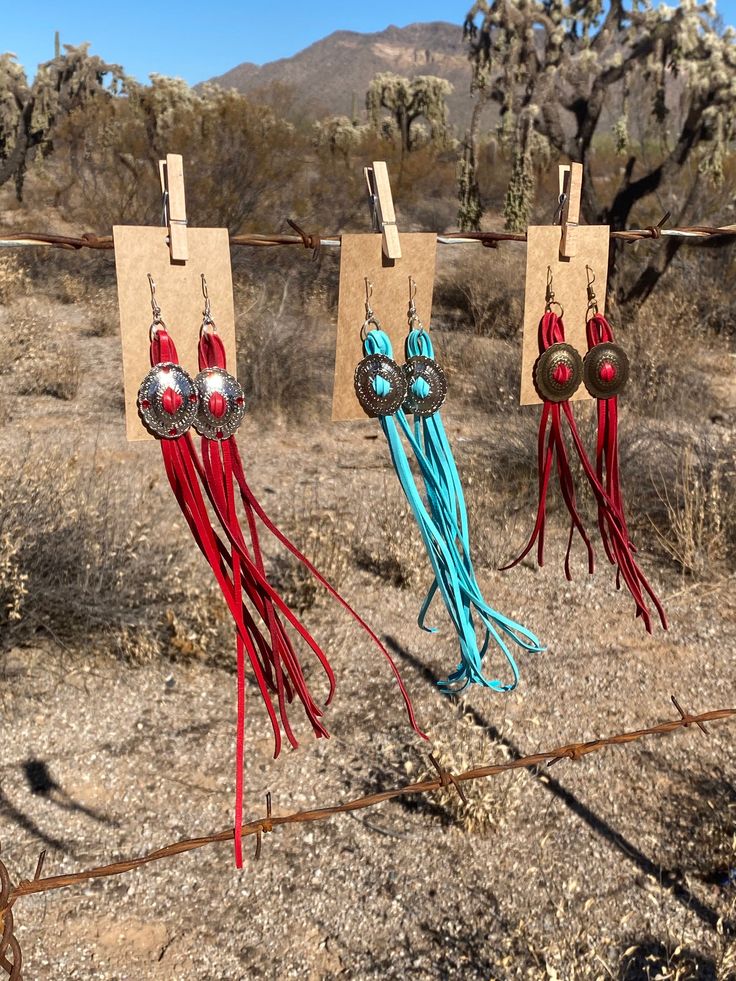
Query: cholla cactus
[
  {"x": 407, "y": 100},
  {"x": 568, "y": 58},
  {"x": 339, "y": 136},
  {"x": 28, "y": 111}
]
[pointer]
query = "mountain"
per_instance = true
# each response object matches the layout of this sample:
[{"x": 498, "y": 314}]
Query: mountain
[{"x": 332, "y": 75}]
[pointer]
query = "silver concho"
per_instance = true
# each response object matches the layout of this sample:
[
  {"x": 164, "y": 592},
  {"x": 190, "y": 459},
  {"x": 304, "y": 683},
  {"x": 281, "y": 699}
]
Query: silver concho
[
  {"x": 605, "y": 370},
  {"x": 221, "y": 403},
  {"x": 558, "y": 372},
  {"x": 428, "y": 369},
  {"x": 379, "y": 366},
  {"x": 167, "y": 400}
]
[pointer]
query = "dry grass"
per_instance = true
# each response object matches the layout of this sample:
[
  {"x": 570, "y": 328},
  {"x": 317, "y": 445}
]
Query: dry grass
[
  {"x": 484, "y": 295},
  {"x": 490, "y": 803},
  {"x": 83, "y": 559},
  {"x": 391, "y": 548},
  {"x": 700, "y": 535},
  {"x": 284, "y": 362},
  {"x": 13, "y": 277},
  {"x": 39, "y": 358},
  {"x": 321, "y": 534}
]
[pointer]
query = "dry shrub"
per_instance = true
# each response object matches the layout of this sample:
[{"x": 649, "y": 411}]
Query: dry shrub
[
  {"x": 285, "y": 352},
  {"x": 322, "y": 535},
  {"x": 490, "y": 802},
  {"x": 388, "y": 543},
  {"x": 13, "y": 277},
  {"x": 83, "y": 558},
  {"x": 665, "y": 381},
  {"x": 702, "y": 516},
  {"x": 684, "y": 487},
  {"x": 482, "y": 371},
  {"x": 40, "y": 358},
  {"x": 101, "y": 316},
  {"x": 484, "y": 293}
]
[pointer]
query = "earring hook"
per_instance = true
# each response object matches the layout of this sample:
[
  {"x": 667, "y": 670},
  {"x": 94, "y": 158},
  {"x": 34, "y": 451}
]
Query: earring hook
[
  {"x": 592, "y": 299},
  {"x": 413, "y": 317},
  {"x": 207, "y": 321},
  {"x": 550, "y": 300},
  {"x": 157, "y": 322},
  {"x": 370, "y": 317}
]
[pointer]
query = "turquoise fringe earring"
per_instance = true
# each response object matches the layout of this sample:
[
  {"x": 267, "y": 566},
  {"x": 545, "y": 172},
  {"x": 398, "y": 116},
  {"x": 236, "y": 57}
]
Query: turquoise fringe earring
[{"x": 388, "y": 392}]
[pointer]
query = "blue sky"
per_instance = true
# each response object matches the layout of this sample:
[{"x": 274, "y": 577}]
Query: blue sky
[{"x": 199, "y": 40}]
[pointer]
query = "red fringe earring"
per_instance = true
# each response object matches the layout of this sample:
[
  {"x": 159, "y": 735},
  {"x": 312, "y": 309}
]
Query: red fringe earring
[
  {"x": 558, "y": 373},
  {"x": 169, "y": 401},
  {"x": 605, "y": 373}
]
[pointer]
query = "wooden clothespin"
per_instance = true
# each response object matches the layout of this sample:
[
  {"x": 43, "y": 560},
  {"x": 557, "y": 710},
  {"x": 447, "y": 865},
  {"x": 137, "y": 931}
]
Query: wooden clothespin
[
  {"x": 382, "y": 208},
  {"x": 171, "y": 172},
  {"x": 571, "y": 189}
]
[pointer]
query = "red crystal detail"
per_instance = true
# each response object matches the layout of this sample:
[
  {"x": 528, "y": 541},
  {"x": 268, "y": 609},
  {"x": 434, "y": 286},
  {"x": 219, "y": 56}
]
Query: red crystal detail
[
  {"x": 562, "y": 373},
  {"x": 171, "y": 401},
  {"x": 217, "y": 405},
  {"x": 219, "y": 434},
  {"x": 172, "y": 432},
  {"x": 239, "y": 400},
  {"x": 145, "y": 404},
  {"x": 607, "y": 371}
]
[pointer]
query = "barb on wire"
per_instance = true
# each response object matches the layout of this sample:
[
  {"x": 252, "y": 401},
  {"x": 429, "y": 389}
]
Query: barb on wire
[{"x": 314, "y": 241}]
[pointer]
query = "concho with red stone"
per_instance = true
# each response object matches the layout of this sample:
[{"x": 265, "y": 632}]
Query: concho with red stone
[
  {"x": 605, "y": 370},
  {"x": 167, "y": 400},
  {"x": 558, "y": 372},
  {"x": 221, "y": 403}
]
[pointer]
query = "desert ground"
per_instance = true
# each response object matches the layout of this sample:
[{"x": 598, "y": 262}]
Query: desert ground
[{"x": 117, "y": 688}]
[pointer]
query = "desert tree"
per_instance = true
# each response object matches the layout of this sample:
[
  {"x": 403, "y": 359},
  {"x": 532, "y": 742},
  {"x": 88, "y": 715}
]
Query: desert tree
[
  {"x": 236, "y": 156},
  {"x": 338, "y": 136},
  {"x": 560, "y": 70},
  {"x": 30, "y": 111},
  {"x": 406, "y": 101}
]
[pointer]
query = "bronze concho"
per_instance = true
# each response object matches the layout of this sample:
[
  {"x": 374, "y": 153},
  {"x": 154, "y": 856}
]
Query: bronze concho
[
  {"x": 605, "y": 370},
  {"x": 221, "y": 403},
  {"x": 167, "y": 400},
  {"x": 379, "y": 366},
  {"x": 428, "y": 369},
  {"x": 558, "y": 359}
]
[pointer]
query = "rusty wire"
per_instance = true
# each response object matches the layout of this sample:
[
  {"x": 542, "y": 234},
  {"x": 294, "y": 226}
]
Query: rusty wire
[
  {"x": 572, "y": 751},
  {"x": 314, "y": 241}
]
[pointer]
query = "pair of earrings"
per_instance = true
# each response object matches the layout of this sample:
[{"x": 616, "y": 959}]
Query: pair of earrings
[
  {"x": 604, "y": 371},
  {"x": 560, "y": 370},
  {"x": 212, "y": 492},
  {"x": 382, "y": 386},
  {"x": 419, "y": 387},
  {"x": 170, "y": 401}
]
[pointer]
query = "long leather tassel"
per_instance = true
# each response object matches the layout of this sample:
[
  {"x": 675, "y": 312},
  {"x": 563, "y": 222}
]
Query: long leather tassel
[
  {"x": 182, "y": 473},
  {"x": 552, "y": 452},
  {"x": 212, "y": 355},
  {"x": 443, "y": 525},
  {"x": 608, "y": 366}
]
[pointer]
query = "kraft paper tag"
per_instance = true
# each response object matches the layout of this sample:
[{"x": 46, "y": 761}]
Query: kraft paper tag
[
  {"x": 360, "y": 257},
  {"x": 569, "y": 282},
  {"x": 143, "y": 250}
]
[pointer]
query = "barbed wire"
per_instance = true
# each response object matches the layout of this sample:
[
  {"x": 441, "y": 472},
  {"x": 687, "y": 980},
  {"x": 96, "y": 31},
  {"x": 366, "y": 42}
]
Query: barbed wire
[
  {"x": 571, "y": 751},
  {"x": 316, "y": 241},
  {"x": 444, "y": 778}
]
